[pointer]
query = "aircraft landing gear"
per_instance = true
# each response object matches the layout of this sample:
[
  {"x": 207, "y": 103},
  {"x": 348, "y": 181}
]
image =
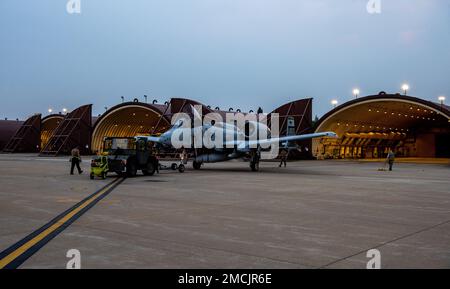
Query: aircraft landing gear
[
  {"x": 254, "y": 166},
  {"x": 254, "y": 160},
  {"x": 196, "y": 165}
]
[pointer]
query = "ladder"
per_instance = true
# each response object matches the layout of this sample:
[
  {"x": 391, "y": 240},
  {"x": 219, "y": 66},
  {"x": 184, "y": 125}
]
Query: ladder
[
  {"x": 27, "y": 137},
  {"x": 74, "y": 130}
]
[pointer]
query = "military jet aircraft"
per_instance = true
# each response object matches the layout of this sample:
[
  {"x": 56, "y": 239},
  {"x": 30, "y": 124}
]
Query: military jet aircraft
[{"x": 226, "y": 141}]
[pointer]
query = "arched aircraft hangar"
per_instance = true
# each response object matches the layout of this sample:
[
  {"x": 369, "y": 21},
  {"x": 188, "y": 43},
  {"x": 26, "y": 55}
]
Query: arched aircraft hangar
[
  {"x": 128, "y": 120},
  {"x": 7, "y": 130},
  {"x": 368, "y": 126},
  {"x": 48, "y": 127}
]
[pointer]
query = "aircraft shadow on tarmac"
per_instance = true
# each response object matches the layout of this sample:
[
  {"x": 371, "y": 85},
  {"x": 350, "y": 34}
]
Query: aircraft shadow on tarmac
[
  {"x": 263, "y": 170},
  {"x": 299, "y": 171}
]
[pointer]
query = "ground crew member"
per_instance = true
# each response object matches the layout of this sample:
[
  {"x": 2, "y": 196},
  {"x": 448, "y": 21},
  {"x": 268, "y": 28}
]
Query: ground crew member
[
  {"x": 390, "y": 159},
  {"x": 75, "y": 160},
  {"x": 183, "y": 156},
  {"x": 155, "y": 153},
  {"x": 283, "y": 157}
]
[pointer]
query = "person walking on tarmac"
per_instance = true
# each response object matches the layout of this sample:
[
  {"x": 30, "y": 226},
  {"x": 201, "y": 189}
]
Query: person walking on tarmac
[
  {"x": 390, "y": 159},
  {"x": 283, "y": 157},
  {"x": 155, "y": 153},
  {"x": 183, "y": 156},
  {"x": 75, "y": 160}
]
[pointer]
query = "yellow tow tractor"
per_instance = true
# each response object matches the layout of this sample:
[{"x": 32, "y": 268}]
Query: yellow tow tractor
[{"x": 99, "y": 166}]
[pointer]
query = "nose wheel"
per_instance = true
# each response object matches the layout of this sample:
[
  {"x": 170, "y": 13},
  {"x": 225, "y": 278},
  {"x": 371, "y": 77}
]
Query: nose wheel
[{"x": 196, "y": 165}]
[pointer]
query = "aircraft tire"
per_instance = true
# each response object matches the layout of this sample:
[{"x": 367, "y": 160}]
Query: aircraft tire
[
  {"x": 196, "y": 165},
  {"x": 254, "y": 166},
  {"x": 131, "y": 170}
]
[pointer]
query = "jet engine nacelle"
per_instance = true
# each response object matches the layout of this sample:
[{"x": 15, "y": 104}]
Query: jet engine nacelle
[{"x": 211, "y": 158}]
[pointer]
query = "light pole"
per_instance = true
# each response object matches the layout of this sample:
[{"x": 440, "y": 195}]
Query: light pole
[
  {"x": 405, "y": 88},
  {"x": 50, "y": 110},
  {"x": 64, "y": 110},
  {"x": 356, "y": 92},
  {"x": 442, "y": 99},
  {"x": 123, "y": 98},
  {"x": 334, "y": 102},
  {"x": 145, "y": 96}
]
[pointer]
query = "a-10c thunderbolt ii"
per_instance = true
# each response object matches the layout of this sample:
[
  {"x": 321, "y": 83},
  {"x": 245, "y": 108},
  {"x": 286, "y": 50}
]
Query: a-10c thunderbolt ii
[{"x": 212, "y": 140}]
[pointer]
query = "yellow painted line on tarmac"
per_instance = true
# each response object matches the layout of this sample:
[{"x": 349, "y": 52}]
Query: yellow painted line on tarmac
[{"x": 60, "y": 222}]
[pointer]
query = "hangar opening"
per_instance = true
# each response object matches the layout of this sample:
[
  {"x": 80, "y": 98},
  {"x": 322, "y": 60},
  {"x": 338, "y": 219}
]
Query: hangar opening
[
  {"x": 128, "y": 120},
  {"x": 367, "y": 127},
  {"x": 48, "y": 127},
  {"x": 74, "y": 130}
]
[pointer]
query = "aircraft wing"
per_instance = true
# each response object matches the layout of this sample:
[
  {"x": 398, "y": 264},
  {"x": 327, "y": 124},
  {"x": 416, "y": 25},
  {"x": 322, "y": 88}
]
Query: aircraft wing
[
  {"x": 155, "y": 139},
  {"x": 254, "y": 143}
]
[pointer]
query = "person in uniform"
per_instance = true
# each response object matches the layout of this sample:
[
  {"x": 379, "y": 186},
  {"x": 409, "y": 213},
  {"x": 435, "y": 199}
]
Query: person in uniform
[
  {"x": 283, "y": 157},
  {"x": 75, "y": 160},
  {"x": 183, "y": 156},
  {"x": 390, "y": 159}
]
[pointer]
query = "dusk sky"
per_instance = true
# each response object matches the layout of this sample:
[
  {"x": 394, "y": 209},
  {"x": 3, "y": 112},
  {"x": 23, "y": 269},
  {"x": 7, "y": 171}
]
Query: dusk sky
[{"x": 226, "y": 53}]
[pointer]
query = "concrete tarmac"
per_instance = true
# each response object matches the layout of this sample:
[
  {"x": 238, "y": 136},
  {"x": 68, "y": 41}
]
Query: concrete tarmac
[{"x": 312, "y": 214}]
